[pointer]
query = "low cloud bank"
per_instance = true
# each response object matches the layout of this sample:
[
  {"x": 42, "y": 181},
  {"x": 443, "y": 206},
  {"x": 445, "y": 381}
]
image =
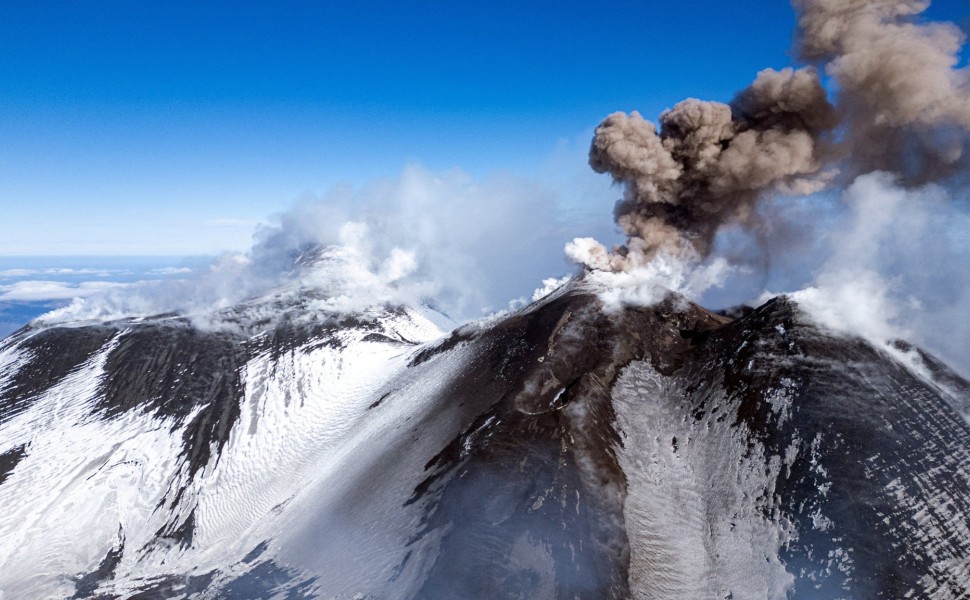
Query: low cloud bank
[{"x": 38, "y": 291}]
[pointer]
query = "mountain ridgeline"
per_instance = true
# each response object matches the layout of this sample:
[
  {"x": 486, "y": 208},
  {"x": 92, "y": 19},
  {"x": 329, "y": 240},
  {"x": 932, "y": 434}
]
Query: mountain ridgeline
[{"x": 561, "y": 451}]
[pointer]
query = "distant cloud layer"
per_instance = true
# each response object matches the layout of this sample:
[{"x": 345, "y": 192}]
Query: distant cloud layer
[
  {"x": 57, "y": 283},
  {"x": 36, "y": 291},
  {"x": 63, "y": 271},
  {"x": 169, "y": 271}
]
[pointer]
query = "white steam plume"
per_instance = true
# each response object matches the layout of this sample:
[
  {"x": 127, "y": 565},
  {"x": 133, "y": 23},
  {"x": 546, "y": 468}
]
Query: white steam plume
[
  {"x": 465, "y": 245},
  {"x": 897, "y": 269}
]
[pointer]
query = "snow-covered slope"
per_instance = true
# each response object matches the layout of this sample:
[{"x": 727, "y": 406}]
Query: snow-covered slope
[{"x": 564, "y": 451}]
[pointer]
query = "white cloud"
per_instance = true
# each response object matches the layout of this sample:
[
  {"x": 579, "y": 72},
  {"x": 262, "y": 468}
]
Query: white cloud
[
  {"x": 466, "y": 244},
  {"x": 855, "y": 302},
  {"x": 85, "y": 272},
  {"x": 68, "y": 272},
  {"x": 169, "y": 271},
  {"x": 35, "y": 291},
  {"x": 480, "y": 242},
  {"x": 550, "y": 285}
]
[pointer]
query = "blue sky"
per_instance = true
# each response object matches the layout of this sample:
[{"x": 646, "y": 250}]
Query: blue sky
[{"x": 173, "y": 128}]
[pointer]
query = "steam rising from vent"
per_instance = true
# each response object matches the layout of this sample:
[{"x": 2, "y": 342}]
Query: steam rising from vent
[{"x": 901, "y": 107}]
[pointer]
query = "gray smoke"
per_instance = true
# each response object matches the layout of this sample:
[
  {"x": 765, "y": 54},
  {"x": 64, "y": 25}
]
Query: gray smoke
[
  {"x": 905, "y": 105},
  {"x": 901, "y": 106}
]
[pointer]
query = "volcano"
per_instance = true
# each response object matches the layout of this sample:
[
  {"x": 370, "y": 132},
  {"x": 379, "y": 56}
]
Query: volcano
[{"x": 566, "y": 450}]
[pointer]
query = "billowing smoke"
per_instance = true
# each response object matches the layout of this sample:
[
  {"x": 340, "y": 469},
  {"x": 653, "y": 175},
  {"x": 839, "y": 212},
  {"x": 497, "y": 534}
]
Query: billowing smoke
[
  {"x": 901, "y": 106},
  {"x": 711, "y": 162},
  {"x": 905, "y": 106}
]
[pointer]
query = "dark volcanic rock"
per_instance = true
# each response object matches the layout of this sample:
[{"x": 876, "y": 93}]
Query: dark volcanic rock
[
  {"x": 531, "y": 494},
  {"x": 51, "y": 355}
]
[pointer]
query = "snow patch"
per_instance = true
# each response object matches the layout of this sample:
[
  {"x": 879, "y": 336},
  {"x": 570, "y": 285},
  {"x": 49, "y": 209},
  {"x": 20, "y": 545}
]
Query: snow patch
[{"x": 693, "y": 486}]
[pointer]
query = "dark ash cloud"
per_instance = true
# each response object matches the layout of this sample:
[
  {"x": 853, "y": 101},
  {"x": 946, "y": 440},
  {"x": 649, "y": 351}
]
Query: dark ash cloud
[{"x": 900, "y": 106}]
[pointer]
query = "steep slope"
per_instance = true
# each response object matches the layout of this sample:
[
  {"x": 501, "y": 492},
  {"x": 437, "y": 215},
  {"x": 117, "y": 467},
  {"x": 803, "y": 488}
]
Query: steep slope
[
  {"x": 563, "y": 451},
  {"x": 148, "y": 448}
]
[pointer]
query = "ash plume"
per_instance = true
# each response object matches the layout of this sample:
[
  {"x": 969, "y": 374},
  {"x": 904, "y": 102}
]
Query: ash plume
[
  {"x": 900, "y": 106},
  {"x": 906, "y": 107}
]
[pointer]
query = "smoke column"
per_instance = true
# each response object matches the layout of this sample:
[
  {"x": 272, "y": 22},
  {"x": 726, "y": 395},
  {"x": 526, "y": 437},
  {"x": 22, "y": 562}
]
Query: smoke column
[
  {"x": 905, "y": 107},
  {"x": 901, "y": 106}
]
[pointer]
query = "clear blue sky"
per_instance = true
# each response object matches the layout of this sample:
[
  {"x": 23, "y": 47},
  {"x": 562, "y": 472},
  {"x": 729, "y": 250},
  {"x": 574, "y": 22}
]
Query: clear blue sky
[{"x": 172, "y": 127}]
